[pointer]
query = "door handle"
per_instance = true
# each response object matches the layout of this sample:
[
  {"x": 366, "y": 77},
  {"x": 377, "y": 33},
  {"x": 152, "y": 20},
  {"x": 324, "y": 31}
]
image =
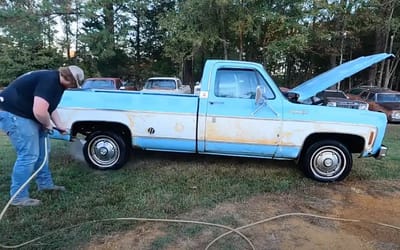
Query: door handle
[{"x": 214, "y": 102}]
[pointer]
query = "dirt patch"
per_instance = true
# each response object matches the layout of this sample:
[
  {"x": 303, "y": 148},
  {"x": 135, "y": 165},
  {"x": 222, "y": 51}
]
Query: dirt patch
[{"x": 375, "y": 206}]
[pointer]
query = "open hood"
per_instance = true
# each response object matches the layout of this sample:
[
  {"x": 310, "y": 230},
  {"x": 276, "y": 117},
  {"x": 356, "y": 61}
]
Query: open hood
[{"x": 335, "y": 75}]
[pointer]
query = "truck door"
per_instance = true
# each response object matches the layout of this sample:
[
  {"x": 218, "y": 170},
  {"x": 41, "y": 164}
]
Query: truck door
[{"x": 234, "y": 123}]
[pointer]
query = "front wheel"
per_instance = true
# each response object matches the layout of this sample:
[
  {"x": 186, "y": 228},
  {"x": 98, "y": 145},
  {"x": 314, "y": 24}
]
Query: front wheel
[
  {"x": 327, "y": 161},
  {"x": 105, "y": 150}
]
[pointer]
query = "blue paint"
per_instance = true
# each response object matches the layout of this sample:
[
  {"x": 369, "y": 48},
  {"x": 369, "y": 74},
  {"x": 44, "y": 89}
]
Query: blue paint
[
  {"x": 129, "y": 101},
  {"x": 165, "y": 144}
]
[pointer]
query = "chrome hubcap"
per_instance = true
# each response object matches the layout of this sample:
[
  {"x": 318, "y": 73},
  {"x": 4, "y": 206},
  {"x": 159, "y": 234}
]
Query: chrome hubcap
[
  {"x": 328, "y": 162},
  {"x": 104, "y": 151}
]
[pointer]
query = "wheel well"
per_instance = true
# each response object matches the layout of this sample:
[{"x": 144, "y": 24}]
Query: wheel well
[
  {"x": 87, "y": 127},
  {"x": 354, "y": 143}
]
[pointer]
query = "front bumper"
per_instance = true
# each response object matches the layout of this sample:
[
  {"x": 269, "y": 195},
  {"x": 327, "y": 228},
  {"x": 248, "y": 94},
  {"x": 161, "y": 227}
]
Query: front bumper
[{"x": 381, "y": 152}]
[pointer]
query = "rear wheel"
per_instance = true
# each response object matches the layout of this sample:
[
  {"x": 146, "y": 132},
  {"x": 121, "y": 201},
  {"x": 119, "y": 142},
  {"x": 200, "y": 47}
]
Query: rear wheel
[
  {"x": 105, "y": 150},
  {"x": 327, "y": 161}
]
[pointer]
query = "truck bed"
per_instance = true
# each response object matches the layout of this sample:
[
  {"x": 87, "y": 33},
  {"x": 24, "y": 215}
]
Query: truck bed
[{"x": 155, "y": 119}]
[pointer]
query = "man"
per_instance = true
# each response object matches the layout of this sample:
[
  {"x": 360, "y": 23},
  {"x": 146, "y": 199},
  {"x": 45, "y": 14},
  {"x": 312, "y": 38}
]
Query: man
[{"x": 27, "y": 110}]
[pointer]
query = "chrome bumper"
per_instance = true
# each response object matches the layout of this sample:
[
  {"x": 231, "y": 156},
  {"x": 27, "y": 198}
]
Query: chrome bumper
[{"x": 381, "y": 153}]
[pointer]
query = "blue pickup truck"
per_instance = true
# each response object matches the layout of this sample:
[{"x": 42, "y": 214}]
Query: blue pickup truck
[{"x": 239, "y": 111}]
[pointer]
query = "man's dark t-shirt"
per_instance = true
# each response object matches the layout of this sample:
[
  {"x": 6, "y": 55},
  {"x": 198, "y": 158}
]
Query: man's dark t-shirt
[{"x": 18, "y": 96}]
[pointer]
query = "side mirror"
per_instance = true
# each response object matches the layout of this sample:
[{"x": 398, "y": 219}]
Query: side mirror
[{"x": 259, "y": 95}]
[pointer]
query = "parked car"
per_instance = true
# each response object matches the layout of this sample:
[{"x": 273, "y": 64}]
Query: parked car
[
  {"x": 337, "y": 98},
  {"x": 197, "y": 88},
  {"x": 332, "y": 98},
  {"x": 102, "y": 83},
  {"x": 354, "y": 93},
  {"x": 128, "y": 86},
  {"x": 166, "y": 85},
  {"x": 383, "y": 100}
]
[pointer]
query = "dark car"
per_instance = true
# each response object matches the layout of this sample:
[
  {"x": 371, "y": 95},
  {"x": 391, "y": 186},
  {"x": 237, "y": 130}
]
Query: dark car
[
  {"x": 338, "y": 98},
  {"x": 383, "y": 100},
  {"x": 354, "y": 93}
]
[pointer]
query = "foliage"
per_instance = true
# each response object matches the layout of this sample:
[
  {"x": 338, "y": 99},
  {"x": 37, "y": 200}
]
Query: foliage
[
  {"x": 294, "y": 39},
  {"x": 26, "y": 47}
]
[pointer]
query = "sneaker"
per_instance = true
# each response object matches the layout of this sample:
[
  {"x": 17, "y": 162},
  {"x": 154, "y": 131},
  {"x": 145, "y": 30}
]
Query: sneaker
[
  {"x": 26, "y": 202},
  {"x": 53, "y": 188}
]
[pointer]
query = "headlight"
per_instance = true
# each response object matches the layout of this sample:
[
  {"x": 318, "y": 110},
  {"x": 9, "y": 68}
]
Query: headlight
[
  {"x": 396, "y": 114},
  {"x": 363, "y": 106},
  {"x": 331, "y": 104}
]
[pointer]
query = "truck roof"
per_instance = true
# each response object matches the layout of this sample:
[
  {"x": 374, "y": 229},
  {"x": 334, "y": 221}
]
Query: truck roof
[{"x": 163, "y": 78}]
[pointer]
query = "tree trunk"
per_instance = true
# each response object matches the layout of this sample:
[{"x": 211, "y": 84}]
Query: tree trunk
[
  {"x": 187, "y": 77},
  {"x": 388, "y": 9}
]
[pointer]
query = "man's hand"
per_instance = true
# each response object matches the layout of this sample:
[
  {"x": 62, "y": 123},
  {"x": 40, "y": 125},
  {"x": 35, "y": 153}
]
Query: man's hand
[
  {"x": 59, "y": 126},
  {"x": 62, "y": 130}
]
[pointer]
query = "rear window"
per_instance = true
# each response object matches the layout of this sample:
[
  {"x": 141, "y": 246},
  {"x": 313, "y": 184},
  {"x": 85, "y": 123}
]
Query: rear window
[
  {"x": 160, "y": 84},
  {"x": 388, "y": 97},
  {"x": 98, "y": 84}
]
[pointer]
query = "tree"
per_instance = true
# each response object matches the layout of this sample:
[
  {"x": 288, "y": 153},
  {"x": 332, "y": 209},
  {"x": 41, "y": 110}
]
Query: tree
[
  {"x": 25, "y": 47},
  {"x": 146, "y": 38},
  {"x": 102, "y": 38},
  {"x": 379, "y": 26}
]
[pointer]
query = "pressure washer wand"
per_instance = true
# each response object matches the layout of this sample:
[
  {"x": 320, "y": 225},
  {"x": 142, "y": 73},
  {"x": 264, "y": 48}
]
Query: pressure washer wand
[{"x": 51, "y": 131}]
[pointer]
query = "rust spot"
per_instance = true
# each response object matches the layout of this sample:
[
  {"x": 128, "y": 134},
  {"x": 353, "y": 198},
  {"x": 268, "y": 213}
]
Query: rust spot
[
  {"x": 240, "y": 131},
  {"x": 179, "y": 127}
]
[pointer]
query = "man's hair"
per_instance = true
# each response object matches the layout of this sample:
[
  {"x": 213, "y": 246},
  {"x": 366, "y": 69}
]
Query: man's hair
[{"x": 73, "y": 74}]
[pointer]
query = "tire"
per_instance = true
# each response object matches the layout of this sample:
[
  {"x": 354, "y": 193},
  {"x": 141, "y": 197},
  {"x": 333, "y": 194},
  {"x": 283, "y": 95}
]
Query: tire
[
  {"x": 327, "y": 161},
  {"x": 105, "y": 150}
]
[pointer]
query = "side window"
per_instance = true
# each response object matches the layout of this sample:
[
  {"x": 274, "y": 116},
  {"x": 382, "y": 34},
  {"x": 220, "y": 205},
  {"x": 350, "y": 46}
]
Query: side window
[
  {"x": 179, "y": 83},
  {"x": 371, "y": 97},
  {"x": 226, "y": 83},
  {"x": 364, "y": 95},
  {"x": 237, "y": 83}
]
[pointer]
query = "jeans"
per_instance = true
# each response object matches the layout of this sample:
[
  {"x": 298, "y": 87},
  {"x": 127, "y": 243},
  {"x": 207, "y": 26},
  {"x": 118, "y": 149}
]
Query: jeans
[{"x": 28, "y": 139}]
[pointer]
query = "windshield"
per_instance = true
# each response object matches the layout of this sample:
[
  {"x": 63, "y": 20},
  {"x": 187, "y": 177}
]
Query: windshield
[
  {"x": 392, "y": 97},
  {"x": 332, "y": 94}
]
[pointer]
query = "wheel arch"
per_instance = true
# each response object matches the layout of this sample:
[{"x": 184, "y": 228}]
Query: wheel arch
[
  {"x": 88, "y": 127},
  {"x": 354, "y": 143}
]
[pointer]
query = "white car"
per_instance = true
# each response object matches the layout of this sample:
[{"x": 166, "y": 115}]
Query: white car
[{"x": 166, "y": 85}]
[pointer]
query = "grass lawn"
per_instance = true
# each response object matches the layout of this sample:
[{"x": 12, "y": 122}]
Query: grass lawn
[{"x": 152, "y": 185}]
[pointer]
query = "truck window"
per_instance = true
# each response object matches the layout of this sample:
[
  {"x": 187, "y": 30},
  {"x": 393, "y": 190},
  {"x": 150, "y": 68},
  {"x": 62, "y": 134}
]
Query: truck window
[
  {"x": 371, "y": 97},
  {"x": 364, "y": 95},
  {"x": 160, "y": 84},
  {"x": 239, "y": 83},
  {"x": 98, "y": 84}
]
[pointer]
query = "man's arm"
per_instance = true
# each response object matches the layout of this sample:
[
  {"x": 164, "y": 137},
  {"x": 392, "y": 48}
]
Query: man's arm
[
  {"x": 40, "y": 111},
  {"x": 55, "y": 117}
]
